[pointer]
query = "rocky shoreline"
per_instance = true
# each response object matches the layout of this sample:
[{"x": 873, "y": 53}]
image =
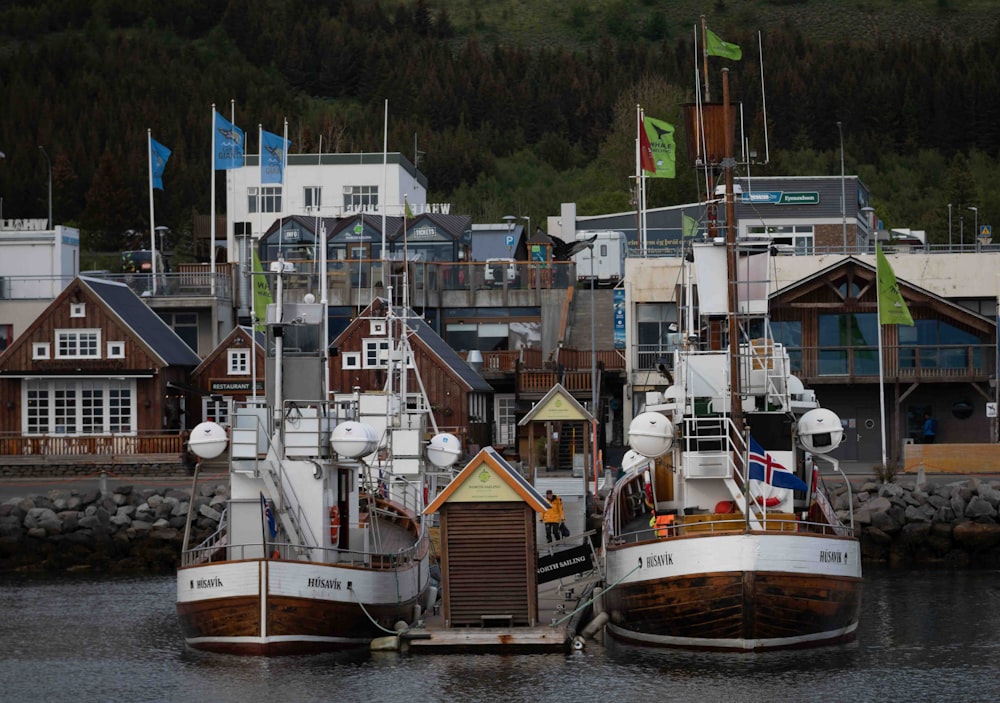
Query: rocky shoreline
[
  {"x": 127, "y": 530},
  {"x": 913, "y": 523}
]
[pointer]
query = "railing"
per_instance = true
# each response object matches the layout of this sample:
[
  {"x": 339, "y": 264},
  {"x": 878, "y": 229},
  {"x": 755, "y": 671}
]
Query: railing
[
  {"x": 107, "y": 445},
  {"x": 901, "y": 362},
  {"x": 190, "y": 283},
  {"x": 386, "y": 561}
]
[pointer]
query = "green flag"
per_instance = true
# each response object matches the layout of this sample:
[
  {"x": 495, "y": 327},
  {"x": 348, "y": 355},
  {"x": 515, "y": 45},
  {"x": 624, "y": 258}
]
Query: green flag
[
  {"x": 892, "y": 308},
  {"x": 690, "y": 226},
  {"x": 716, "y": 47},
  {"x": 261, "y": 294},
  {"x": 661, "y": 143}
]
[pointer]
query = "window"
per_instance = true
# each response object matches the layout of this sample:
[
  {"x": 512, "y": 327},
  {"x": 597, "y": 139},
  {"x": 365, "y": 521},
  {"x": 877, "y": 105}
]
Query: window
[
  {"x": 216, "y": 410},
  {"x": 78, "y": 310},
  {"x": 78, "y": 344},
  {"x": 239, "y": 362},
  {"x": 6, "y": 336},
  {"x": 657, "y": 334},
  {"x": 116, "y": 350},
  {"x": 789, "y": 334},
  {"x": 40, "y": 350},
  {"x": 185, "y": 324},
  {"x": 376, "y": 353},
  {"x": 96, "y": 406},
  {"x": 313, "y": 196},
  {"x": 360, "y": 198},
  {"x": 265, "y": 199},
  {"x": 506, "y": 420},
  {"x": 789, "y": 239},
  {"x": 350, "y": 360},
  {"x": 848, "y": 343},
  {"x": 270, "y": 199}
]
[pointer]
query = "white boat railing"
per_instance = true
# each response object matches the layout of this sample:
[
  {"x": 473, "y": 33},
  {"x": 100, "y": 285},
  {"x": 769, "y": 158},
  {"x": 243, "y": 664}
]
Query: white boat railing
[{"x": 333, "y": 556}]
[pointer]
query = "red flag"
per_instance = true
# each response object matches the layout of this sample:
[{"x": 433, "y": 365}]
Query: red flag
[{"x": 646, "y": 150}]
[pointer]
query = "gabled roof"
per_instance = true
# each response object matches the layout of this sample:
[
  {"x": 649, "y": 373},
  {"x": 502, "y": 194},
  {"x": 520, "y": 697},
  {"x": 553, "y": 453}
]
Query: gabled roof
[
  {"x": 488, "y": 478},
  {"x": 244, "y": 331},
  {"x": 913, "y": 295},
  {"x": 432, "y": 341},
  {"x": 557, "y": 404},
  {"x": 143, "y": 321}
]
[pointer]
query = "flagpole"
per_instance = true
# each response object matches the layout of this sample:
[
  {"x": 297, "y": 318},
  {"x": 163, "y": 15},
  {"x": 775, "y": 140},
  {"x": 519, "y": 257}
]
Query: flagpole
[
  {"x": 881, "y": 370},
  {"x": 152, "y": 224},
  {"x": 211, "y": 226}
]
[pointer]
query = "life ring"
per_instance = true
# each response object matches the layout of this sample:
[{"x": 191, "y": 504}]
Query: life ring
[
  {"x": 769, "y": 502},
  {"x": 334, "y": 525}
]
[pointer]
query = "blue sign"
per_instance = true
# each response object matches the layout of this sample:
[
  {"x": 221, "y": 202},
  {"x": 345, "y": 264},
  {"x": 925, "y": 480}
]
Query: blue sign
[
  {"x": 509, "y": 240},
  {"x": 619, "y": 313}
]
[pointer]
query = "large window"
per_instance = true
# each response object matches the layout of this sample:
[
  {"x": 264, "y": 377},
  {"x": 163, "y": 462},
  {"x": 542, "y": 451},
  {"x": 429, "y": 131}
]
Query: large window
[
  {"x": 6, "y": 336},
  {"x": 376, "y": 353},
  {"x": 96, "y": 406},
  {"x": 935, "y": 344},
  {"x": 789, "y": 335},
  {"x": 848, "y": 344},
  {"x": 78, "y": 344},
  {"x": 363, "y": 198}
]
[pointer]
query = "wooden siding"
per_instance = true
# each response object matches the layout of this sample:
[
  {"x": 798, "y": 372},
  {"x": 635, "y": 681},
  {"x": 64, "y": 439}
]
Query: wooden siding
[{"x": 489, "y": 563}]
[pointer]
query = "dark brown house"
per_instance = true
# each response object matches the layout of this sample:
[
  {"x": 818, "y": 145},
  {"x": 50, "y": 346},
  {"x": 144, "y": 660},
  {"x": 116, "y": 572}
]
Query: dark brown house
[
  {"x": 227, "y": 375},
  {"x": 459, "y": 395},
  {"x": 96, "y": 367}
]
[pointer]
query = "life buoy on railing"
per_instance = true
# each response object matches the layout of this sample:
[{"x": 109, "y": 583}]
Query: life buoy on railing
[
  {"x": 334, "y": 525},
  {"x": 769, "y": 502}
]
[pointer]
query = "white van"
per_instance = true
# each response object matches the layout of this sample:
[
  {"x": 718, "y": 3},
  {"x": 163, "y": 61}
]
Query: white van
[
  {"x": 605, "y": 260},
  {"x": 495, "y": 269}
]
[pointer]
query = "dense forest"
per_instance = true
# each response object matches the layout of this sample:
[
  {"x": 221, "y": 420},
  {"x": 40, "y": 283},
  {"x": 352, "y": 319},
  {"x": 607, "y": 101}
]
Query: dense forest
[{"x": 507, "y": 110}]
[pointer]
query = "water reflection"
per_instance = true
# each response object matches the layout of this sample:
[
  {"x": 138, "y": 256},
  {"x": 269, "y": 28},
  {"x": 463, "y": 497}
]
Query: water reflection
[{"x": 927, "y": 636}]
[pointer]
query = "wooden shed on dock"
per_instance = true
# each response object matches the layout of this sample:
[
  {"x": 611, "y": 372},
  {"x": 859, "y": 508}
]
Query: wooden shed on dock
[{"x": 488, "y": 554}]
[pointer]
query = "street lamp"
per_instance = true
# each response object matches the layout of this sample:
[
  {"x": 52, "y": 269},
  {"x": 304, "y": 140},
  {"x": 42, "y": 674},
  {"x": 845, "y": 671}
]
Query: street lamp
[
  {"x": 949, "y": 226},
  {"x": 49, "y": 163},
  {"x": 843, "y": 187},
  {"x": 975, "y": 229},
  {"x": 526, "y": 217}
]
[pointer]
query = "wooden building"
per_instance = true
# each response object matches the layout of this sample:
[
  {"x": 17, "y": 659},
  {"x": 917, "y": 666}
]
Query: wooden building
[
  {"x": 489, "y": 515},
  {"x": 461, "y": 398},
  {"x": 227, "y": 375},
  {"x": 97, "y": 363}
]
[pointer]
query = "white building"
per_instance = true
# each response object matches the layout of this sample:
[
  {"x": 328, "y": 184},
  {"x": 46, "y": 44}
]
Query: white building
[{"x": 324, "y": 185}]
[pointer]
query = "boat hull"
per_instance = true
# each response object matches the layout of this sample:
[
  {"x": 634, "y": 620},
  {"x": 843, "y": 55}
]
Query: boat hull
[
  {"x": 746, "y": 592},
  {"x": 268, "y": 607}
]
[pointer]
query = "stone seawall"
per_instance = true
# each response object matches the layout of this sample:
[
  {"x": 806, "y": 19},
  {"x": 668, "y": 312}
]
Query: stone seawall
[
  {"x": 126, "y": 530},
  {"x": 906, "y": 523},
  {"x": 82, "y": 469}
]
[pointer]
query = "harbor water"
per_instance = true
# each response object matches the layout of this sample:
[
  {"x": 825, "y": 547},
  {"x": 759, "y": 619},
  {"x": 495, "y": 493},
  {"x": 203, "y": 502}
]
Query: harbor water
[{"x": 924, "y": 636}]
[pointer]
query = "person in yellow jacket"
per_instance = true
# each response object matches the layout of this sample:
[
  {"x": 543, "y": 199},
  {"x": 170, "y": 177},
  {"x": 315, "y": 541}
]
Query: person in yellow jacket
[{"x": 553, "y": 517}]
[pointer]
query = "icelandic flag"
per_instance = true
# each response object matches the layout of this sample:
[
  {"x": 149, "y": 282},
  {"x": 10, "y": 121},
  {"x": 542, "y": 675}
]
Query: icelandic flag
[
  {"x": 764, "y": 468},
  {"x": 227, "y": 144},
  {"x": 268, "y": 516},
  {"x": 273, "y": 156},
  {"x": 158, "y": 161}
]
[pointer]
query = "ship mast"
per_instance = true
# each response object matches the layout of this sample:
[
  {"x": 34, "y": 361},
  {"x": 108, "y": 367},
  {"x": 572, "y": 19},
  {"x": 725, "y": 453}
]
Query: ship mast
[{"x": 735, "y": 386}]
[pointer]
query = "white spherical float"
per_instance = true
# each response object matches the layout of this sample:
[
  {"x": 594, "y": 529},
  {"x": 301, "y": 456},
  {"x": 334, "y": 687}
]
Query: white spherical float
[
  {"x": 208, "y": 440},
  {"x": 820, "y": 431},
  {"x": 651, "y": 434},
  {"x": 354, "y": 439},
  {"x": 444, "y": 450}
]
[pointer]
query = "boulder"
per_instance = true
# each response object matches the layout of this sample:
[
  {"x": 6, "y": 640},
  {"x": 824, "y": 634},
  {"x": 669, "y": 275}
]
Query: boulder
[
  {"x": 979, "y": 507},
  {"x": 976, "y": 537}
]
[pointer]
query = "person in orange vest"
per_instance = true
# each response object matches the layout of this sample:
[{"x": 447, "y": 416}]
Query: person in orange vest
[
  {"x": 662, "y": 524},
  {"x": 553, "y": 517}
]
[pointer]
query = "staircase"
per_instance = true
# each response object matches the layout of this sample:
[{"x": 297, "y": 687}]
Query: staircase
[{"x": 601, "y": 310}]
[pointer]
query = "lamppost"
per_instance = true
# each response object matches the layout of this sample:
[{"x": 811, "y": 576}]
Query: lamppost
[
  {"x": 949, "y": 226},
  {"x": 526, "y": 217},
  {"x": 49, "y": 163},
  {"x": 2, "y": 156},
  {"x": 975, "y": 229},
  {"x": 843, "y": 187}
]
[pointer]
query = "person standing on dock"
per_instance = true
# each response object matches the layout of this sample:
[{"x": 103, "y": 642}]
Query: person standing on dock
[
  {"x": 930, "y": 428},
  {"x": 553, "y": 517}
]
